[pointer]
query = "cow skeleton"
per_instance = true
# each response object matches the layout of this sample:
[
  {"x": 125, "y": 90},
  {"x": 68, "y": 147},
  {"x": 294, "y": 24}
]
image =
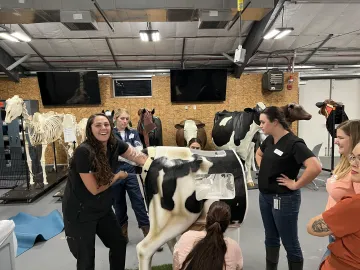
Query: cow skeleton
[
  {"x": 78, "y": 129},
  {"x": 43, "y": 128}
]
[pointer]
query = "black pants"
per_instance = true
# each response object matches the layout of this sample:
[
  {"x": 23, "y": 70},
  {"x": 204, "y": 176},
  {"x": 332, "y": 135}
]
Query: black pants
[{"x": 81, "y": 240}]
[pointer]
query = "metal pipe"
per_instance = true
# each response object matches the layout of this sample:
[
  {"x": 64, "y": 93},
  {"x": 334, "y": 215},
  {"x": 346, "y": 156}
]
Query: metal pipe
[
  {"x": 182, "y": 55},
  {"x": 317, "y": 48},
  {"x": 112, "y": 52},
  {"x": 18, "y": 62},
  {"x": 103, "y": 15}
]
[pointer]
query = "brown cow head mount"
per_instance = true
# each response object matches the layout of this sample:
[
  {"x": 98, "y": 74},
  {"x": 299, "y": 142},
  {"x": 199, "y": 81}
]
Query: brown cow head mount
[
  {"x": 188, "y": 129},
  {"x": 294, "y": 112},
  {"x": 327, "y": 106},
  {"x": 146, "y": 123}
]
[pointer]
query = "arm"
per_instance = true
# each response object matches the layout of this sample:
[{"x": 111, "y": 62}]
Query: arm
[
  {"x": 135, "y": 155},
  {"x": 313, "y": 169},
  {"x": 318, "y": 227},
  {"x": 258, "y": 156},
  {"x": 91, "y": 185}
]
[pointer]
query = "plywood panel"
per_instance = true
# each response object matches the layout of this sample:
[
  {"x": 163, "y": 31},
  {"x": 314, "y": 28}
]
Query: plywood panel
[{"x": 241, "y": 93}]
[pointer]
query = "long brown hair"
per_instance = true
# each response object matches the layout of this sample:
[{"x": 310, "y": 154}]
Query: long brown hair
[
  {"x": 352, "y": 129},
  {"x": 209, "y": 253},
  {"x": 98, "y": 157}
]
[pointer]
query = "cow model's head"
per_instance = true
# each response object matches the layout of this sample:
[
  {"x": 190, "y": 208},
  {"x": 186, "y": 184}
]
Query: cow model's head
[
  {"x": 327, "y": 106},
  {"x": 256, "y": 111},
  {"x": 13, "y": 108},
  {"x": 190, "y": 128},
  {"x": 294, "y": 112},
  {"x": 109, "y": 113}
]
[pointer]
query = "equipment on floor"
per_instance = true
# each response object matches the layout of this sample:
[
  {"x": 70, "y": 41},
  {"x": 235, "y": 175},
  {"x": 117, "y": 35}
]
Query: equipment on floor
[
  {"x": 30, "y": 229},
  {"x": 8, "y": 245}
]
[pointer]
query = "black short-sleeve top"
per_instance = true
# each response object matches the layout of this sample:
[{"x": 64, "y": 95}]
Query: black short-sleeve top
[
  {"x": 285, "y": 157},
  {"x": 79, "y": 203}
]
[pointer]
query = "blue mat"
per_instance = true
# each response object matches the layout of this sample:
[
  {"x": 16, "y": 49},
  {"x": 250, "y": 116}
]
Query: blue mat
[{"x": 29, "y": 229}]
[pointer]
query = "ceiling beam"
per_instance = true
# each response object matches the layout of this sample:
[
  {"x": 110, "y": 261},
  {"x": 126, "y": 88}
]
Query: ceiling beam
[
  {"x": 7, "y": 60},
  {"x": 255, "y": 36},
  {"x": 317, "y": 48},
  {"x": 112, "y": 52}
]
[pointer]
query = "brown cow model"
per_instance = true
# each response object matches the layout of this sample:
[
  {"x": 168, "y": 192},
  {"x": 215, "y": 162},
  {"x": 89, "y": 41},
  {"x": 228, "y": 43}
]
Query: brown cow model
[{"x": 188, "y": 129}]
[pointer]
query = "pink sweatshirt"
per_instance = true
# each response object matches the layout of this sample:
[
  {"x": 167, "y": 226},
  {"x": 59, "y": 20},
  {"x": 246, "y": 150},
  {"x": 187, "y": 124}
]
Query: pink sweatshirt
[
  {"x": 338, "y": 188},
  {"x": 233, "y": 256}
]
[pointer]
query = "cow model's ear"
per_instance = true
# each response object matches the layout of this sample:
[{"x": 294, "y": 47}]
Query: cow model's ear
[
  {"x": 320, "y": 104},
  {"x": 153, "y": 111},
  {"x": 102, "y": 111},
  {"x": 291, "y": 105},
  {"x": 200, "y": 125},
  {"x": 112, "y": 113},
  {"x": 178, "y": 126},
  {"x": 143, "y": 110},
  {"x": 248, "y": 110},
  {"x": 140, "y": 111}
]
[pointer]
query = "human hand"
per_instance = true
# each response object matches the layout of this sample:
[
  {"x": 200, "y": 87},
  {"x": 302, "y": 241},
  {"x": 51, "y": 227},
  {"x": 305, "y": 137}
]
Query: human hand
[
  {"x": 287, "y": 182},
  {"x": 121, "y": 175}
]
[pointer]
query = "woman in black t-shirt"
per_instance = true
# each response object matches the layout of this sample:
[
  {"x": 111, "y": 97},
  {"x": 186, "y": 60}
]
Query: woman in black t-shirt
[
  {"x": 87, "y": 198},
  {"x": 280, "y": 158}
]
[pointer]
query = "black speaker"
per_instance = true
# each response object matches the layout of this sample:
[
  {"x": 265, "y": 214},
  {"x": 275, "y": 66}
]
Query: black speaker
[{"x": 273, "y": 80}]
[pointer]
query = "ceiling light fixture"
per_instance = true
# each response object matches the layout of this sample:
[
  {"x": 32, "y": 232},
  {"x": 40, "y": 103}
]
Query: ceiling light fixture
[
  {"x": 8, "y": 37},
  {"x": 278, "y": 33},
  {"x": 149, "y": 34},
  {"x": 21, "y": 36}
]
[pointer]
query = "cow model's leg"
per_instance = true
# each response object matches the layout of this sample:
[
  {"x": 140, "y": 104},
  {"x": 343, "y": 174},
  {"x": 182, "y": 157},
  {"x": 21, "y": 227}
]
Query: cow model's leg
[
  {"x": 171, "y": 244},
  {"x": 248, "y": 162},
  {"x": 29, "y": 162},
  {"x": 44, "y": 146}
]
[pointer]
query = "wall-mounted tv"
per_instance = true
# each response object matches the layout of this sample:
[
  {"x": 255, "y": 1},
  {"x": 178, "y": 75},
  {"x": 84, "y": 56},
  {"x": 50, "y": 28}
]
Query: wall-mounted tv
[
  {"x": 69, "y": 88},
  {"x": 198, "y": 85}
]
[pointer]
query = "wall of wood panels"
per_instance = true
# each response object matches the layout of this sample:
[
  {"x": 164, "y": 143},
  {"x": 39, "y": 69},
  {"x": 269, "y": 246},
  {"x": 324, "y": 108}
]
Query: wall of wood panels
[{"x": 241, "y": 93}]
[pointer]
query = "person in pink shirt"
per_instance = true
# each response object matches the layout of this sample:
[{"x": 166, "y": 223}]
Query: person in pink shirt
[
  {"x": 209, "y": 249},
  {"x": 340, "y": 184}
]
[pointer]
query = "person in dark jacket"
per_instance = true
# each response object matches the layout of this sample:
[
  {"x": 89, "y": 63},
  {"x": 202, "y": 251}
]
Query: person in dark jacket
[
  {"x": 280, "y": 158},
  {"x": 87, "y": 200}
]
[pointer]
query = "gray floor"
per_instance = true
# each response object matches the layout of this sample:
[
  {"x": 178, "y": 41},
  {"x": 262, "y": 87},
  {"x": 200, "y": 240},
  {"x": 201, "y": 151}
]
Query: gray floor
[{"x": 54, "y": 254}]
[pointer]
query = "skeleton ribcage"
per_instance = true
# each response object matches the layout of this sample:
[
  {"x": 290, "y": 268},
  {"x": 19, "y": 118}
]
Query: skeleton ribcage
[{"x": 51, "y": 130}]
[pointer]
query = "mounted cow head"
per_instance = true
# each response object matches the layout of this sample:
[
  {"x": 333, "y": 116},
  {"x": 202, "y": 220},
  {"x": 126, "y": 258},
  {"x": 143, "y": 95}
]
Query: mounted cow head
[
  {"x": 327, "y": 106},
  {"x": 109, "y": 113},
  {"x": 190, "y": 128},
  {"x": 257, "y": 111},
  {"x": 14, "y": 108},
  {"x": 294, "y": 112},
  {"x": 146, "y": 124}
]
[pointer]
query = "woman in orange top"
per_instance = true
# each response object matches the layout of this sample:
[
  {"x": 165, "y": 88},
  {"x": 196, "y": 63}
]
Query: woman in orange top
[
  {"x": 198, "y": 250},
  {"x": 343, "y": 221},
  {"x": 340, "y": 184}
]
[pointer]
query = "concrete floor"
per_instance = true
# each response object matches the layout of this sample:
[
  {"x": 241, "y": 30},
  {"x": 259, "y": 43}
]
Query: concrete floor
[{"x": 54, "y": 254}]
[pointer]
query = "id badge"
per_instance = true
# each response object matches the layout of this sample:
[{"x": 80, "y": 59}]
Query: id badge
[{"x": 277, "y": 203}]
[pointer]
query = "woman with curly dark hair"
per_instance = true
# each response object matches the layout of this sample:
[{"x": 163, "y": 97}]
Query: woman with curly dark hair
[
  {"x": 198, "y": 250},
  {"x": 87, "y": 198}
]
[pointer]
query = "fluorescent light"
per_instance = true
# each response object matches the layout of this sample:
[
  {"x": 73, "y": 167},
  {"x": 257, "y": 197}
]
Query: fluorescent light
[
  {"x": 278, "y": 33},
  {"x": 283, "y": 33},
  {"x": 8, "y": 37},
  {"x": 149, "y": 35},
  {"x": 272, "y": 34},
  {"x": 21, "y": 36}
]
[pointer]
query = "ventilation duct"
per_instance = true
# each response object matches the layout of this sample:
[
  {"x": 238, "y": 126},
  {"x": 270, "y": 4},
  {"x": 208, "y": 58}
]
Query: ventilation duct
[
  {"x": 214, "y": 19},
  {"x": 78, "y": 20}
]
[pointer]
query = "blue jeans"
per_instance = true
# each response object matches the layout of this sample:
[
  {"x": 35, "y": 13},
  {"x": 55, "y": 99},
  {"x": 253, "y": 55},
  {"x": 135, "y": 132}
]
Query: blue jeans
[
  {"x": 282, "y": 223},
  {"x": 131, "y": 185},
  {"x": 327, "y": 252}
]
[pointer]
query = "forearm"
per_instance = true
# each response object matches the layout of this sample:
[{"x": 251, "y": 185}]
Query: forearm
[
  {"x": 135, "y": 155},
  {"x": 318, "y": 227},
  {"x": 258, "y": 159},
  {"x": 308, "y": 175}
]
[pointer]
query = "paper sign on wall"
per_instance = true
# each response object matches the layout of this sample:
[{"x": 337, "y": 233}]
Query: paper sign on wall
[{"x": 69, "y": 135}]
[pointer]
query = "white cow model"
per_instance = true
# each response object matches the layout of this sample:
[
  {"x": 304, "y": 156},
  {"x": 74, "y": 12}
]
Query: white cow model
[{"x": 169, "y": 178}]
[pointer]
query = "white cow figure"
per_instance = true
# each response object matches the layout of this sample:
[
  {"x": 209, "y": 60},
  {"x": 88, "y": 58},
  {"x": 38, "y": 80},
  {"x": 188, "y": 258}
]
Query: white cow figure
[
  {"x": 169, "y": 177},
  {"x": 236, "y": 130},
  {"x": 43, "y": 128}
]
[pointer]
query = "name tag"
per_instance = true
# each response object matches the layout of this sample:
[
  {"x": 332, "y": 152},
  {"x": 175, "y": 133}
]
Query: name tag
[
  {"x": 278, "y": 152},
  {"x": 131, "y": 136},
  {"x": 277, "y": 203}
]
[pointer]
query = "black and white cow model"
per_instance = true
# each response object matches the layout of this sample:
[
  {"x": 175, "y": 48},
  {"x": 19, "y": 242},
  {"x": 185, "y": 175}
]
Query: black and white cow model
[
  {"x": 169, "y": 177},
  {"x": 235, "y": 131}
]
